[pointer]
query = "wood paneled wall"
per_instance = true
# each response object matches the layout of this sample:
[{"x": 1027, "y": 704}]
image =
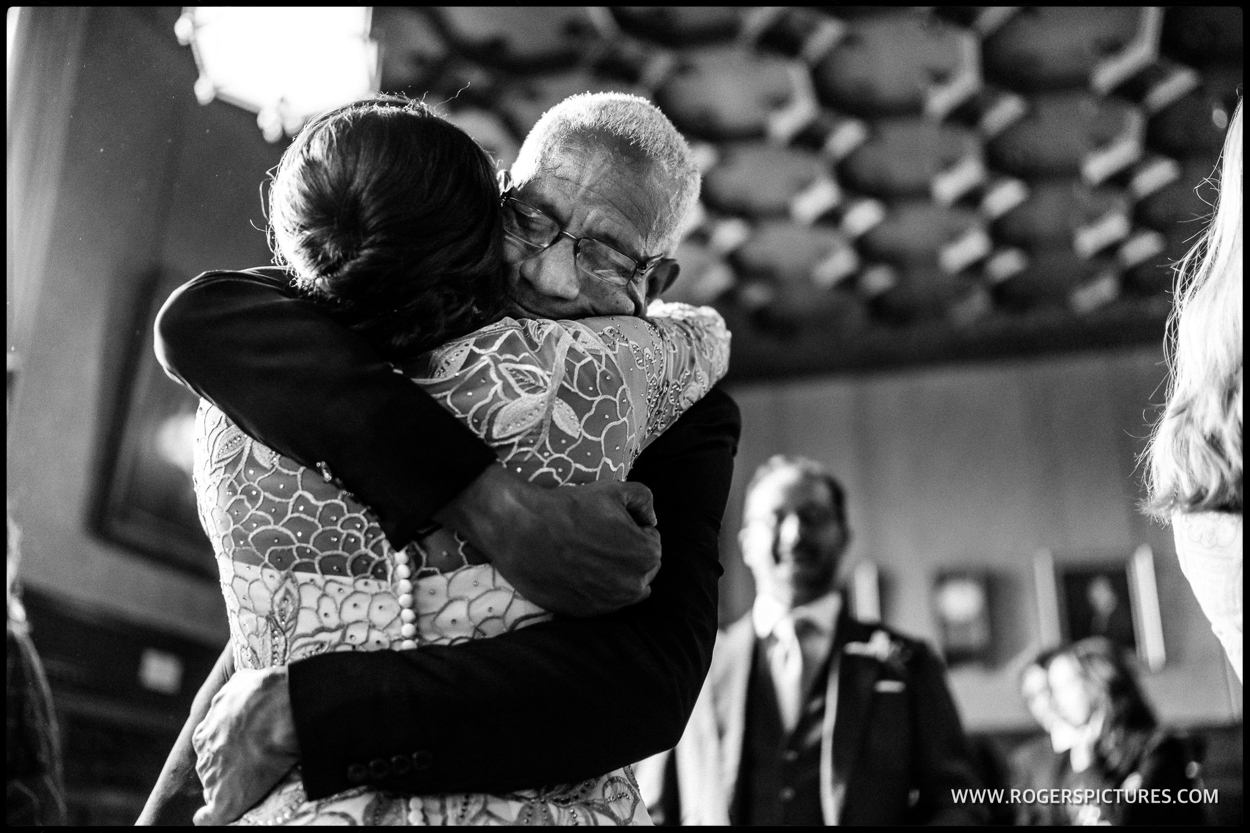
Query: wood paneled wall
[
  {"x": 151, "y": 182},
  {"x": 980, "y": 465}
]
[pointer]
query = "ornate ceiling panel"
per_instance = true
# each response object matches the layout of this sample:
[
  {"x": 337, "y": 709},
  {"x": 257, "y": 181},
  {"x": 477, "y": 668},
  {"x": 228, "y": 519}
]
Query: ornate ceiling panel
[{"x": 885, "y": 187}]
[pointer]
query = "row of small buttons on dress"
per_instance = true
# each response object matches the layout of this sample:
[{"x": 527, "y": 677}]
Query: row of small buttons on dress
[
  {"x": 403, "y": 572},
  {"x": 420, "y": 760},
  {"x": 380, "y": 768},
  {"x": 407, "y": 615}
]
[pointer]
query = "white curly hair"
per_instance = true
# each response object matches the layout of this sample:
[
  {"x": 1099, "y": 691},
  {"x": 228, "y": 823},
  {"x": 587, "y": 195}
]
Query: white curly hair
[{"x": 626, "y": 124}]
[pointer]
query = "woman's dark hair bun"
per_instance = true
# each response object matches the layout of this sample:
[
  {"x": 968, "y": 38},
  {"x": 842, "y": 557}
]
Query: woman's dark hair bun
[{"x": 390, "y": 213}]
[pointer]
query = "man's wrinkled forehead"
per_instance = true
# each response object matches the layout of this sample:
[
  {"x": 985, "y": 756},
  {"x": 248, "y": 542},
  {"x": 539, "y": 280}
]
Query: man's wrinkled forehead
[
  {"x": 565, "y": 173},
  {"x": 558, "y": 147},
  {"x": 587, "y": 159},
  {"x": 577, "y": 175}
]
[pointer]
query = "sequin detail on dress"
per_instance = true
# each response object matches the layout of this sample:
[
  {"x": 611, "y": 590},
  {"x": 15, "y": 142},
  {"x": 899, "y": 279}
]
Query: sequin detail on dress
[{"x": 305, "y": 568}]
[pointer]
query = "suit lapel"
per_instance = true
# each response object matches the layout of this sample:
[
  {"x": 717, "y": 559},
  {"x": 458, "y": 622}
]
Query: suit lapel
[
  {"x": 731, "y": 671},
  {"x": 857, "y": 675}
]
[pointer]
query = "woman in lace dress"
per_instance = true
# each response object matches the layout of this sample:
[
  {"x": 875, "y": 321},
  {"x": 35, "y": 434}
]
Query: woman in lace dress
[
  {"x": 1194, "y": 458},
  {"x": 392, "y": 216}
]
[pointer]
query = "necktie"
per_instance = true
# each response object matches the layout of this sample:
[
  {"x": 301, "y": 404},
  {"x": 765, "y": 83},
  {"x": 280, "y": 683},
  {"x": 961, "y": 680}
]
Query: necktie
[{"x": 787, "y": 666}]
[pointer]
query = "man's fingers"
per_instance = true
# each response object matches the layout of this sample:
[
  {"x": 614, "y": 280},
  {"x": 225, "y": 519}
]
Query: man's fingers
[
  {"x": 199, "y": 738},
  {"x": 639, "y": 503},
  {"x": 651, "y": 577},
  {"x": 654, "y": 535}
]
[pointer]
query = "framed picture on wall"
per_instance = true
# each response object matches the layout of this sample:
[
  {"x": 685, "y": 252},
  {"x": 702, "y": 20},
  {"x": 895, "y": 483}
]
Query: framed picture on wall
[
  {"x": 146, "y": 501},
  {"x": 961, "y": 611},
  {"x": 1108, "y": 596}
]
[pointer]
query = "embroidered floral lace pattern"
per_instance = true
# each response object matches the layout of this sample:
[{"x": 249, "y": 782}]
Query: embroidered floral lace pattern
[
  {"x": 1209, "y": 547},
  {"x": 306, "y": 569}
]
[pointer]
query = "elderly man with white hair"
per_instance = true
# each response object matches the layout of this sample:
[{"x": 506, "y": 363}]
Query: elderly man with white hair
[{"x": 602, "y": 177}]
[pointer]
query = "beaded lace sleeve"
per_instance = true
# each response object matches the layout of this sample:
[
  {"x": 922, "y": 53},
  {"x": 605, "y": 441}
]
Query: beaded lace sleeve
[
  {"x": 576, "y": 401},
  {"x": 1209, "y": 547}
]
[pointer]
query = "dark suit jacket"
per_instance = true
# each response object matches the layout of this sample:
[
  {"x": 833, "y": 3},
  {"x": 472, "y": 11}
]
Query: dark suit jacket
[
  {"x": 552, "y": 703},
  {"x": 896, "y": 732}
]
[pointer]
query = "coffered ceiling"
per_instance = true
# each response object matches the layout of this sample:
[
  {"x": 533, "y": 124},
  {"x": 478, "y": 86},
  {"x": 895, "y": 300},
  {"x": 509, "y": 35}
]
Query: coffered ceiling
[{"x": 885, "y": 187}]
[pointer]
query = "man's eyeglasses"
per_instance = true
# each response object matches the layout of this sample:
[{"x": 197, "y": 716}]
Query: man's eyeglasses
[{"x": 535, "y": 231}]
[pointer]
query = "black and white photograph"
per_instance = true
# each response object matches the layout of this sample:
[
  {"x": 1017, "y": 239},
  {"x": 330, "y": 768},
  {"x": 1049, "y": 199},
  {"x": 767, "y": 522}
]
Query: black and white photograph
[{"x": 624, "y": 415}]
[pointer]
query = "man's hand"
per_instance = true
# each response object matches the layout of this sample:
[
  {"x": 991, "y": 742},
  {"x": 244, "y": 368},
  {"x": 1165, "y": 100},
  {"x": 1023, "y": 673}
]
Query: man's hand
[
  {"x": 580, "y": 551},
  {"x": 245, "y": 744}
]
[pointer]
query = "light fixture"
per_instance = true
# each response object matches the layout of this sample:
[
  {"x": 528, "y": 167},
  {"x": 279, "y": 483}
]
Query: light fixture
[{"x": 284, "y": 63}]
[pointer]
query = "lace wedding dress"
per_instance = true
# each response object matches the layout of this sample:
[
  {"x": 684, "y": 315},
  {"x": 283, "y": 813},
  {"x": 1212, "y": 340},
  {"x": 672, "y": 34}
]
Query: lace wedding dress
[{"x": 306, "y": 569}]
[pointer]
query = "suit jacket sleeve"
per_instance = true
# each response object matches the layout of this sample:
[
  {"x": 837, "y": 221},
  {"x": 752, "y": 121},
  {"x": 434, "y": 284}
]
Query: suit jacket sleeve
[
  {"x": 291, "y": 377},
  {"x": 941, "y": 757},
  {"x": 553, "y": 703}
]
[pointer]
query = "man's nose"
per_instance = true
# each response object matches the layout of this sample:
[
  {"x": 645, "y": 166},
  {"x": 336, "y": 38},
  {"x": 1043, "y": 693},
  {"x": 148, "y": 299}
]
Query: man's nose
[
  {"x": 789, "y": 531},
  {"x": 552, "y": 271}
]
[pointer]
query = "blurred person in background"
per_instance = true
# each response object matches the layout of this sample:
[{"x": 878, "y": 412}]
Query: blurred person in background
[
  {"x": 809, "y": 716},
  {"x": 34, "y": 793},
  {"x": 1116, "y": 744},
  {"x": 1033, "y": 762},
  {"x": 1194, "y": 456}
]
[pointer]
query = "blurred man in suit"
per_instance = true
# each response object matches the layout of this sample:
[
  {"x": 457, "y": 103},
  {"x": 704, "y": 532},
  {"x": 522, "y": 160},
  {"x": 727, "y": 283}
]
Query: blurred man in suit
[{"x": 809, "y": 716}]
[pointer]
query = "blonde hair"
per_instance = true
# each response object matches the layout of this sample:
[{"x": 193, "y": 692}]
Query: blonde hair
[
  {"x": 623, "y": 123},
  {"x": 1194, "y": 456}
]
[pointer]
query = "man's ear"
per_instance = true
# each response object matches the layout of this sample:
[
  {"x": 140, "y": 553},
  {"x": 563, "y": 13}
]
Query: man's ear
[
  {"x": 750, "y": 551},
  {"x": 661, "y": 278}
]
